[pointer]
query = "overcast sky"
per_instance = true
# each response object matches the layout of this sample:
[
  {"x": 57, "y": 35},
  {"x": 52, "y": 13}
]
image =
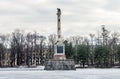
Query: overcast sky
[{"x": 79, "y": 17}]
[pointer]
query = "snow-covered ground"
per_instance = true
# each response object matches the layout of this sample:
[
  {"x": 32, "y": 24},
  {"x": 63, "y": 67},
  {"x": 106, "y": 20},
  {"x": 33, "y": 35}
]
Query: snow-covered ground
[
  {"x": 34, "y": 73},
  {"x": 22, "y": 68}
]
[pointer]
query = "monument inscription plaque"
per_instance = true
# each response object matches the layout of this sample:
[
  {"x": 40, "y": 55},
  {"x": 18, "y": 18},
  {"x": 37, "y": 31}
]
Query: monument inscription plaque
[{"x": 59, "y": 49}]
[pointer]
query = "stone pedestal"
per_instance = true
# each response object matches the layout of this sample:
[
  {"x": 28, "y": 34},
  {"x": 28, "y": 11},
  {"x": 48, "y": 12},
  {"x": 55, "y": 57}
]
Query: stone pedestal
[
  {"x": 59, "y": 57},
  {"x": 53, "y": 64}
]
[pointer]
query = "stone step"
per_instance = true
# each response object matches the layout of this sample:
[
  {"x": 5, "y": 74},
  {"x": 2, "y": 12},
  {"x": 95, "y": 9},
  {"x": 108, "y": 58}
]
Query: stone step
[{"x": 67, "y": 64}]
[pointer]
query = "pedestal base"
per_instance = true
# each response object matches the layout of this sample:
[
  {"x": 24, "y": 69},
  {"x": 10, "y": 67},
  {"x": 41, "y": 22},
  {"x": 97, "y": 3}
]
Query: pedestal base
[
  {"x": 67, "y": 64},
  {"x": 59, "y": 57}
]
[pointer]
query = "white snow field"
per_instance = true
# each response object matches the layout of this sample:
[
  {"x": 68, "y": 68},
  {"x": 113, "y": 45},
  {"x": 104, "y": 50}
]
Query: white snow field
[{"x": 34, "y": 73}]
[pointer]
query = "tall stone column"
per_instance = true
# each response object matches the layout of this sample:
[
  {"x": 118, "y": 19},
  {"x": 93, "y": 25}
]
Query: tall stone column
[
  {"x": 59, "y": 52},
  {"x": 58, "y": 23}
]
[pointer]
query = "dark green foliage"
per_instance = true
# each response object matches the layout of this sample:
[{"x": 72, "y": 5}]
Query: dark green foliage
[
  {"x": 101, "y": 56},
  {"x": 118, "y": 53},
  {"x": 83, "y": 54},
  {"x": 69, "y": 50}
]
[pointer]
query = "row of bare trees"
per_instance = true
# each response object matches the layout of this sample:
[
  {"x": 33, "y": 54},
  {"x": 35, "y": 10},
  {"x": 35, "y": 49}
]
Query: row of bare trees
[
  {"x": 32, "y": 49},
  {"x": 19, "y": 48}
]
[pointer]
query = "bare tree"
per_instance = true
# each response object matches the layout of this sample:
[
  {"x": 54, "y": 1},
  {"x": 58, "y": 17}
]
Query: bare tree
[
  {"x": 105, "y": 35},
  {"x": 92, "y": 49},
  {"x": 113, "y": 43},
  {"x": 2, "y": 49},
  {"x": 17, "y": 44},
  {"x": 52, "y": 40}
]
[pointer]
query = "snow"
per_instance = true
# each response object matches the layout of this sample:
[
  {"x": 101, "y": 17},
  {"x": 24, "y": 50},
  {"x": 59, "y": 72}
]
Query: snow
[
  {"x": 23, "y": 68},
  {"x": 25, "y": 73}
]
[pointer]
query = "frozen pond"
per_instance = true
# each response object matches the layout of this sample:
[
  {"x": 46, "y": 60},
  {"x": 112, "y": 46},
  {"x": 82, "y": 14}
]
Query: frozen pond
[{"x": 78, "y": 74}]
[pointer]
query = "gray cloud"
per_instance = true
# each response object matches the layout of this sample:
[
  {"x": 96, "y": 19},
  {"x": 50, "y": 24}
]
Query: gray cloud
[
  {"x": 112, "y": 5},
  {"x": 78, "y": 16}
]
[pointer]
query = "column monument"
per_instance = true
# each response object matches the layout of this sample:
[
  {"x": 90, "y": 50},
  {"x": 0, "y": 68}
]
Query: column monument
[
  {"x": 59, "y": 47},
  {"x": 59, "y": 62}
]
